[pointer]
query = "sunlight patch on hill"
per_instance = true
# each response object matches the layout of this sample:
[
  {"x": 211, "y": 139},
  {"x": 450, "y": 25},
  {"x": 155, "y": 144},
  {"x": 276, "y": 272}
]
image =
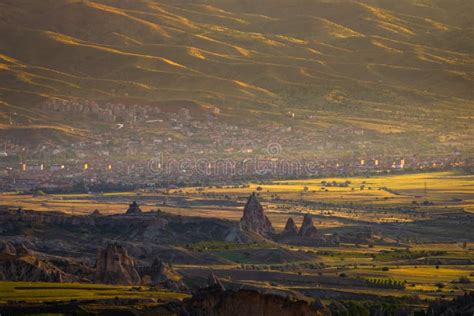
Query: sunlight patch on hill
[
  {"x": 394, "y": 28},
  {"x": 214, "y": 12},
  {"x": 249, "y": 86},
  {"x": 340, "y": 31},
  {"x": 241, "y": 50},
  {"x": 292, "y": 40},
  {"x": 375, "y": 126},
  {"x": 127, "y": 39},
  {"x": 196, "y": 53},
  {"x": 243, "y": 36},
  {"x": 314, "y": 51},
  {"x": 181, "y": 20},
  {"x": 10, "y": 60},
  {"x": 385, "y": 47},
  {"x": 437, "y": 25},
  {"x": 388, "y": 21},
  {"x": 72, "y": 41},
  {"x": 425, "y": 56},
  {"x": 28, "y": 78},
  {"x": 117, "y": 11}
]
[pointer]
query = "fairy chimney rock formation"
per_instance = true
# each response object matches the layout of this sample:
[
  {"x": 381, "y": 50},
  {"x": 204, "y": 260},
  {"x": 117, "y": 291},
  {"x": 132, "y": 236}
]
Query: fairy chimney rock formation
[
  {"x": 114, "y": 266},
  {"x": 134, "y": 209},
  {"x": 290, "y": 228},
  {"x": 254, "y": 218},
  {"x": 307, "y": 228}
]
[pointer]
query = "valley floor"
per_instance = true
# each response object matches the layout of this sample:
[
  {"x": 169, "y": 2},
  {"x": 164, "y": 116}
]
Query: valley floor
[{"x": 405, "y": 237}]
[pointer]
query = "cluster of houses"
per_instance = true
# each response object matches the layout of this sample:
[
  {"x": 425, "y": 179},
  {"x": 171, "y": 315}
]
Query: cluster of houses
[
  {"x": 190, "y": 146},
  {"x": 108, "y": 174}
]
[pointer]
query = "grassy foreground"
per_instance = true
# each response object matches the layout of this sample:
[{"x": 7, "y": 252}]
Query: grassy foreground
[{"x": 49, "y": 292}]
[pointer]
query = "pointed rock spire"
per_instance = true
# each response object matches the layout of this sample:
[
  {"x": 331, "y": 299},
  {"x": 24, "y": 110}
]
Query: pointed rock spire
[
  {"x": 254, "y": 218},
  {"x": 307, "y": 228},
  {"x": 134, "y": 209},
  {"x": 290, "y": 227}
]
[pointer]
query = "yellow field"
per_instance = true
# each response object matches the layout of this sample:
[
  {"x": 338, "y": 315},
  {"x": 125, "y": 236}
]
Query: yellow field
[{"x": 444, "y": 189}]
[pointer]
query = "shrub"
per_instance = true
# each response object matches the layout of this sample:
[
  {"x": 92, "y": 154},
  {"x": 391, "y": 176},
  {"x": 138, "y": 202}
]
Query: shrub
[{"x": 464, "y": 280}]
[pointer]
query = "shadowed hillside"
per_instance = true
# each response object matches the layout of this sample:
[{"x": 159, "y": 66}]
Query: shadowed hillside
[{"x": 402, "y": 72}]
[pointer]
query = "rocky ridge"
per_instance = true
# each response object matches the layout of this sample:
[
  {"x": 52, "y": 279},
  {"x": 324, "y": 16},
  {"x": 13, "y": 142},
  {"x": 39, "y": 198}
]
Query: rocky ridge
[{"x": 18, "y": 263}]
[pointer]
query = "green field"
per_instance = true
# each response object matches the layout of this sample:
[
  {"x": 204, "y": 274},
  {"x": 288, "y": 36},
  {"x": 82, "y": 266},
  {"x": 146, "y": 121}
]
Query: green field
[{"x": 47, "y": 292}]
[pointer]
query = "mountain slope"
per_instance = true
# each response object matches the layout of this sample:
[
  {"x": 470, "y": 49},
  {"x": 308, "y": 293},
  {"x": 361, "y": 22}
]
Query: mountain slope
[{"x": 384, "y": 67}]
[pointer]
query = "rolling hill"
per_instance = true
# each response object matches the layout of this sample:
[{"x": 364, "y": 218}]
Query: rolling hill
[{"x": 403, "y": 71}]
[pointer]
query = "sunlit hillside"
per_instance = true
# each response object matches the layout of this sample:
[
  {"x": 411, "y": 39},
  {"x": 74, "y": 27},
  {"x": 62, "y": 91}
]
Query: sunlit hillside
[{"x": 402, "y": 71}]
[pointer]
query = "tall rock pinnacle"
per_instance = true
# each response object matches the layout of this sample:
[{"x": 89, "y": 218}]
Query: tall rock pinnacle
[
  {"x": 254, "y": 218},
  {"x": 307, "y": 228},
  {"x": 290, "y": 228}
]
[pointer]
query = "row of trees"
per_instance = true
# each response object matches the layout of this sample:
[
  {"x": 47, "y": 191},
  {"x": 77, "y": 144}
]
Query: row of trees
[{"x": 385, "y": 284}]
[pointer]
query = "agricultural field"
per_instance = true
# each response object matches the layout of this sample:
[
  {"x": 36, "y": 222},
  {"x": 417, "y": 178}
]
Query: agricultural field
[
  {"x": 424, "y": 193},
  {"x": 344, "y": 267},
  {"x": 50, "y": 292}
]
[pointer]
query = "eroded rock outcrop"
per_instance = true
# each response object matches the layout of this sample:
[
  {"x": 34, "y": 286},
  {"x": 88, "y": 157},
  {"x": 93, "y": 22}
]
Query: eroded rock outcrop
[
  {"x": 290, "y": 228},
  {"x": 114, "y": 266},
  {"x": 134, "y": 209},
  {"x": 307, "y": 228},
  {"x": 234, "y": 235},
  {"x": 17, "y": 263},
  {"x": 215, "y": 302},
  {"x": 161, "y": 274},
  {"x": 7, "y": 248},
  {"x": 96, "y": 213},
  {"x": 461, "y": 305},
  {"x": 32, "y": 270},
  {"x": 307, "y": 235},
  {"x": 153, "y": 227},
  {"x": 254, "y": 218}
]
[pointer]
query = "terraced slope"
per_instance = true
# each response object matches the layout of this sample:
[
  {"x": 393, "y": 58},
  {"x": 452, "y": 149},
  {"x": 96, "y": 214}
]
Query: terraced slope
[{"x": 388, "y": 67}]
